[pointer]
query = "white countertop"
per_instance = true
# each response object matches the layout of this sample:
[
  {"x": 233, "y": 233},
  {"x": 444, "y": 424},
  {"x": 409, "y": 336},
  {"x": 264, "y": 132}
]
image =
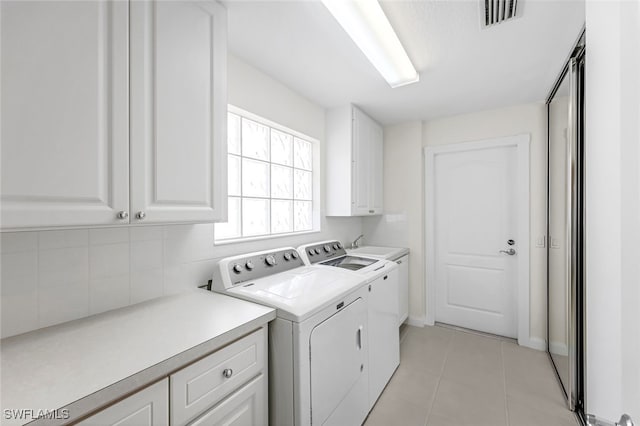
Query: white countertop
[
  {"x": 92, "y": 361},
  {"x": 389, "y": 253}
]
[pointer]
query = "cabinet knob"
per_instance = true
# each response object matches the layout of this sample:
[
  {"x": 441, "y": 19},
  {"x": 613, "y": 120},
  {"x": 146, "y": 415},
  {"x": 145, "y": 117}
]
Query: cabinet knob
[
  {"x": 141, "y": 215},
  {"x": 123, "y": 215},
  {"x": 372, "y": 211},
  {"x": 227, "y": 373}
]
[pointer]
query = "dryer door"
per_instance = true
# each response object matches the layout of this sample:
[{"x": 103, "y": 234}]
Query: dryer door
[{"x": 338, "y": 357}]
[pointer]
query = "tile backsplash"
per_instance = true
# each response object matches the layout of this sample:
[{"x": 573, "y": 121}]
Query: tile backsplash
[{"x": 50, "y": 277}]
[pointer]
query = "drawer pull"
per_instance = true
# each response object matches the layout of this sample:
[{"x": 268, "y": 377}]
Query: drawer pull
[{"x": 227, "y": 373}]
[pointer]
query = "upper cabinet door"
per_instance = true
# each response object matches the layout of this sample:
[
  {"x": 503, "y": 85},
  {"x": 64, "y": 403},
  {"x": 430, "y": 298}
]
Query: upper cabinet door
[
  {"x": 178, "y": 111},
  {"x": 361, "y": 154},
  {"x": 64, "y": 113},
  {"x": 377, "y": 169}
]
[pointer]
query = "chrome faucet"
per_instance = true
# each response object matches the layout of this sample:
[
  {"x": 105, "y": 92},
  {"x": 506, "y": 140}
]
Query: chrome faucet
[{"x": 356, "y": 243}]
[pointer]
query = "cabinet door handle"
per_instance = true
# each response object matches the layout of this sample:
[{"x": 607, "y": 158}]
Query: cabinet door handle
[
  {"x": 372, "y": 211},
  {"x": 227, "y": 373},
  {"x": 359, "y": 337},
  {"x": 141, "y": 215},
  {"x": 123, "y": 215}
]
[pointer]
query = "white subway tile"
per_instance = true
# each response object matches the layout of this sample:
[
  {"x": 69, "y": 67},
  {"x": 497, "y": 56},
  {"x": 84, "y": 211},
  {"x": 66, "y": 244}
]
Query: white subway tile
[
  {"x": 48, "y": 240},
  {"x": 61, "y": 266},
  {"x": 11, "y": 242},
  {"x": 19, "y": 312},
  {"x": 19, "y": 270},
  {"x": 189, "y": 244},
  {"x": 62, "y": 303},
  {"x": 108, "y": 293},
  {"x": 109, "y": 260},
  {"x": 99, "y": 236},
  {"x": 146, "y": 255},
  {"x": 146, "y": 285},
  {"x": 146, "y": 233}
]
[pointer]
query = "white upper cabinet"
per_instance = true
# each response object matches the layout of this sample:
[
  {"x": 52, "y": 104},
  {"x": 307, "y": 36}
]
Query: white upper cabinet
[
  {"x": 178, "y": 111},
  {"x": 354, "y": 163},
  {"x": 64, "y": 113},
  {"x": 112, "y": 112}
]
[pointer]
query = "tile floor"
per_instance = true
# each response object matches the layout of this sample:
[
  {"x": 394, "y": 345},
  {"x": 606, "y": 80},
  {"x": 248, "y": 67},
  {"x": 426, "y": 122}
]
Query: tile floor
[{"x": 449, "y": 377}]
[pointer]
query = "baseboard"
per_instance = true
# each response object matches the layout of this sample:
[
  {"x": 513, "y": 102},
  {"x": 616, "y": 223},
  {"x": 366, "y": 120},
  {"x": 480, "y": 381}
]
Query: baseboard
[
  {"x": 534, "y": 343},
  {"x": 416, "y": 321},
  {"x": 558, "y": 348}
]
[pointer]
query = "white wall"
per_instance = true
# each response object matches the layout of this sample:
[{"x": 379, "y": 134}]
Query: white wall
[
  {"x": 403, "y": 222},
  {"x": 49, "y": 277},
  {"x": 613, "y": 208}
]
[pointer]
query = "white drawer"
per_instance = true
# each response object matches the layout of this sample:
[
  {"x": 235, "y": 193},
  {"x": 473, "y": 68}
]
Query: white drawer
[
  {"x": 245, "y": 407},
  {"x": 198, "y": 387},
  {"x": 148, "y": 407}
]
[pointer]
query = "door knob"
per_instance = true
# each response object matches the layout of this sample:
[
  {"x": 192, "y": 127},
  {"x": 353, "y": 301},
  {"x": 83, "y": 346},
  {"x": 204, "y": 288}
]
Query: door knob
[{"x": 510, "y": 252}]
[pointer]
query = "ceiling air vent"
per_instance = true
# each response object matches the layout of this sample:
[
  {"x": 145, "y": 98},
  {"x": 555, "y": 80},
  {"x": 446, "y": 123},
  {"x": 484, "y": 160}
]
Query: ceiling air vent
[{"x": 497, "y": 11}]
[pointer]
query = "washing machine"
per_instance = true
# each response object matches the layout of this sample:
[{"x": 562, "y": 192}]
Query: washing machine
[
  {"x": 318, "y": 343},
  {"x": 383, "y": 308}
]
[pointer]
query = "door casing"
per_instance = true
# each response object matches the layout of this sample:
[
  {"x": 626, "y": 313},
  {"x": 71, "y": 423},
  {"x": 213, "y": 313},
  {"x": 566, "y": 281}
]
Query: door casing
[{"x": 521, "y": 143}]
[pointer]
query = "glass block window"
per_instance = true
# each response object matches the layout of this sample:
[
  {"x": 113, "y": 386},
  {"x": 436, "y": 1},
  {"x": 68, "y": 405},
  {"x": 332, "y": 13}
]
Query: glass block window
[{"x": 270, "y": 172}]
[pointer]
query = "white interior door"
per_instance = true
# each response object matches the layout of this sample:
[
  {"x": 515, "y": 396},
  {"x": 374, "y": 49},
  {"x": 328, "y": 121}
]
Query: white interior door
[{"x": 475, "y": 204}]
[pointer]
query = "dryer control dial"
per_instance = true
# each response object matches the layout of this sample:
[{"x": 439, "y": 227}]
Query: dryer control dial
[
  {"x": 270, "y": 260},
  {"x": 249, "y": 265},
  {"x": 327, "y": 248},
  {"x": 237, "y": 268}
]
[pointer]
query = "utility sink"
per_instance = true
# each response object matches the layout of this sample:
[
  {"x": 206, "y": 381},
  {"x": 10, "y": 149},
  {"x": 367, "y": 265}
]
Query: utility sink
[{"x": 379, "y": 252}]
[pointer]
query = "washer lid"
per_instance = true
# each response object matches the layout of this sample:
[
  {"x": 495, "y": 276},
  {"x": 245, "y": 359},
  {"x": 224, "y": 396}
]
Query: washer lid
[{"x": 301, "y": 292}]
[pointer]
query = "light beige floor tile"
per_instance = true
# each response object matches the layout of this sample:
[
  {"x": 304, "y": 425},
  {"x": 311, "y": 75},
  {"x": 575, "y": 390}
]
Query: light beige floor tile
[
  {"x": 392, "y": 412},
  {"x": 526, "y": 415},
  {"x": 476, "y": 361},
  {"x": 409, "y": 385},
  {"x": 464, "y": 405},
  {"x": 524, "y": 362},
  {"x": 425, "y": 349}
]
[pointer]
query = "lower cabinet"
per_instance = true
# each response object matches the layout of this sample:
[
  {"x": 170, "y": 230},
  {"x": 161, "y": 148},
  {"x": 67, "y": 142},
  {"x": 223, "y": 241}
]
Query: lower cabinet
[
  {"x": 245, "y": 407},
  {"x": 227, "y": 387},
  {"x": 403, "y": 288},
  {"x": 149, "y": 406},
  {"x": 384, "y": 345},
  {"x": 203, "y": 384}
]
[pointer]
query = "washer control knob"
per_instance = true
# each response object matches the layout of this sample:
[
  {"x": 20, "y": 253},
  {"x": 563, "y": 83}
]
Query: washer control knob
[
  {"x": 294, "y": 254},
  {"x": 237, "y": 268},
  {"x": 327, "y": 248},
  {"x": 287, "y": 256},
  {"x": 311, "y": 252},
  {"x": 317, "y": 251},
  {"x": 335, "y": 246},
  {"x": 249, "y": 265},
  {"x": 270, "y": 260},
  {"x": 339, "y": 245}
]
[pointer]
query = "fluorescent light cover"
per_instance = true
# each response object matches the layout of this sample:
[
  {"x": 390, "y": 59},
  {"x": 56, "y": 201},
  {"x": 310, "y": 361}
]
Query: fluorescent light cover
[{"x": 367, "y": 25}]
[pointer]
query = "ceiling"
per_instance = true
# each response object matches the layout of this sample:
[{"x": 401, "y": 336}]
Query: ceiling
[{"x": 463, "y": 68}]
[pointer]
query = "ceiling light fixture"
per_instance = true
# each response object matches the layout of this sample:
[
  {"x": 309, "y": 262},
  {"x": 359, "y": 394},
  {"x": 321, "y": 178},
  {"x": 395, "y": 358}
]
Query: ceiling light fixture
[{"x": 369, "y": 28}]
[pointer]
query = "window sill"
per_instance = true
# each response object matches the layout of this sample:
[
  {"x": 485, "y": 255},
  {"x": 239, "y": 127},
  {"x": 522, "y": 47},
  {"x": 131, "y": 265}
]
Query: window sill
[{"x": 263, "y": 237}]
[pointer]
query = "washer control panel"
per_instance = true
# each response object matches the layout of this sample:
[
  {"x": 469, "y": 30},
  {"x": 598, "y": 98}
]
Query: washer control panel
[
  {"x": 248, "y": 267},
  {"x": 324, "y": 251}
]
